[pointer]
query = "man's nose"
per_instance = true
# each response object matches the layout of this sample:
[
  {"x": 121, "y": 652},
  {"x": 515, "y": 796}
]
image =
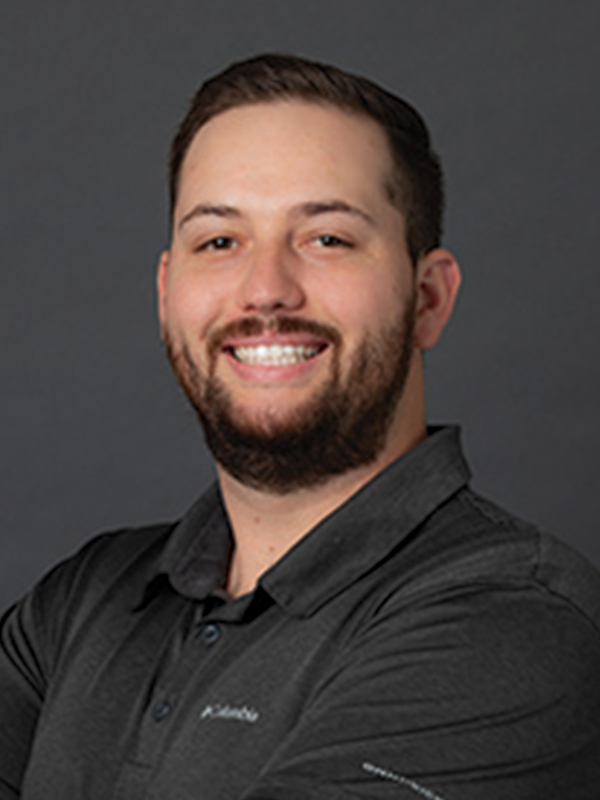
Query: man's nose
[{"x": 271, "y": 282}]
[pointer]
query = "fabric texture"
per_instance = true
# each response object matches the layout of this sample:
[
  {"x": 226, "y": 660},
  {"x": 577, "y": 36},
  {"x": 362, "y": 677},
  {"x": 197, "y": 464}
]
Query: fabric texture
[{"x": 419, "y": 643}]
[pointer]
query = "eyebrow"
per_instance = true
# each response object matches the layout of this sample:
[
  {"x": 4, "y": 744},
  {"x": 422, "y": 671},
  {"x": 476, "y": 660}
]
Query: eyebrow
[
  {"x": 308, "y": 209},
  {"x": 201, "y": 210},
  {"x": 313, "y": 209}
]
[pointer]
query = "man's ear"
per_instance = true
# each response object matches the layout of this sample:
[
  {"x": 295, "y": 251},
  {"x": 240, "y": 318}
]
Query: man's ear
[
  {"x": 161, "y": 285},
  {"x": 437, "y": 282}
]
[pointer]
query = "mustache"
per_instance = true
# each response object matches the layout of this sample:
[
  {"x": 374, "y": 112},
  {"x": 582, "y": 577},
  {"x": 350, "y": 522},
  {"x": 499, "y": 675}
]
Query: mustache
[{"x": 257, "y": 326}]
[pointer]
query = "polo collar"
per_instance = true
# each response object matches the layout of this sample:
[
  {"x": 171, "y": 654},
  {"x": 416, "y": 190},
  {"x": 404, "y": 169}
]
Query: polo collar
[
  {"x": 345, "y": 545},
  {"x": 198, "y": 552}
]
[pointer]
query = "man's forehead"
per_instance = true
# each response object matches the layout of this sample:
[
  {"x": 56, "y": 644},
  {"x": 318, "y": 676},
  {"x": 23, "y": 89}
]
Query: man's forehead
[
  {"x": 302, "y": 121},
  {"x": 287, "y": 145}
]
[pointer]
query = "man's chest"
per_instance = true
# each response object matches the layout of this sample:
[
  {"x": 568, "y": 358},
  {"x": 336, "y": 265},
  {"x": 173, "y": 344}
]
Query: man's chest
[{"x": 145, "y": 711}]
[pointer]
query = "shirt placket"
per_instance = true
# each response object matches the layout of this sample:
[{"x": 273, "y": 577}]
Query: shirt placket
[{"x": 197, "y": 658}]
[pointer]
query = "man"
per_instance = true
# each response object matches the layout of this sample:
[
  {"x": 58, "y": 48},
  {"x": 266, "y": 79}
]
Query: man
[{"x": 340, "y": 615}]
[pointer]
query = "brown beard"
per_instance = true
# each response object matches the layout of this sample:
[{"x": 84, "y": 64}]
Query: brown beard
[{"x": 342, "y": 427}]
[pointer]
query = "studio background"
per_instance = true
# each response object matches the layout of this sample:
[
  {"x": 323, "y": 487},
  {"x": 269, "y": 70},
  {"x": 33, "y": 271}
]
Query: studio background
[{"x": 94, "y": 432}]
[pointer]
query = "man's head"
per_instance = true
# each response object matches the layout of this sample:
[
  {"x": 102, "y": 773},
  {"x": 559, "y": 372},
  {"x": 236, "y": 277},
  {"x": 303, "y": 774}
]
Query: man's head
[
  {"x": 290, "y": 305},
  {"x": 415, "y": 181}
]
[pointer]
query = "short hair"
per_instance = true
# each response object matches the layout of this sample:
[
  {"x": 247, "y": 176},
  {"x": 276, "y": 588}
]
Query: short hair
[{"x": 415, "y": 188}]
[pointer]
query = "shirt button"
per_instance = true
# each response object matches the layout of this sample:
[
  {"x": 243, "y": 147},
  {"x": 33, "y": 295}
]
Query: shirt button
[
  {"x": 210, "y": 633},
  {"x": 161, "y": 710}
]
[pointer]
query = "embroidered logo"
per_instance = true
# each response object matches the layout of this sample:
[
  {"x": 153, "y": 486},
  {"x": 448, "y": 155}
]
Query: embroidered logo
[
  {"x": 392, "y": 776},
  {"x": 238, "y": 714}
]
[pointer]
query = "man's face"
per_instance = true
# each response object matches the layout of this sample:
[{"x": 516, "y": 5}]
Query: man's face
[{"x": 287, "y": 297}]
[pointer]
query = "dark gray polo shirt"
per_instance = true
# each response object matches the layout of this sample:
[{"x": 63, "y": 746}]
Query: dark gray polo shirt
[{"x": 418, "y": 643}]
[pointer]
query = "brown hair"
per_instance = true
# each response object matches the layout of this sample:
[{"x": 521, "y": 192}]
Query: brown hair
[{"x": 416, "y": 187}]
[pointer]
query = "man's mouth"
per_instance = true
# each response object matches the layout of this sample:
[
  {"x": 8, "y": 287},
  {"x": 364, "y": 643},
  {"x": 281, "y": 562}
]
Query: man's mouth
[{"x": 275, "y": 355}]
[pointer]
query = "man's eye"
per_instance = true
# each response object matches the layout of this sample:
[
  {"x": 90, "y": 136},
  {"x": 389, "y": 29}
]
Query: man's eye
[
  {"x": 329, "y": 240},
  {"x": 218, "y": 243}
]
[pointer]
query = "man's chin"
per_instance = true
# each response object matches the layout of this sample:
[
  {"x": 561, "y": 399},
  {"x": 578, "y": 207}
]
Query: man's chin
[{"x": 269, "y": 423}]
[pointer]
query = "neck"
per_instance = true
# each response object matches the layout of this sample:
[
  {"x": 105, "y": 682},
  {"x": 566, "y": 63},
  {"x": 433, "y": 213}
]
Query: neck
[{"x": 266, "y": 525}]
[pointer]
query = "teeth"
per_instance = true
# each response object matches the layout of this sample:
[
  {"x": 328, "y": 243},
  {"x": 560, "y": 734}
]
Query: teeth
[{"x": 274, "y": 355}]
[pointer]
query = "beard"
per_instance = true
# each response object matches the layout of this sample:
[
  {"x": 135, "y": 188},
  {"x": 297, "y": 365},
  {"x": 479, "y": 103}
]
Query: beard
[{"x": 343, "y": 426}]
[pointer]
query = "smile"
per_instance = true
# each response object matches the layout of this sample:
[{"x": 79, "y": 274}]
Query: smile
[{"x": 275, "y": 355}]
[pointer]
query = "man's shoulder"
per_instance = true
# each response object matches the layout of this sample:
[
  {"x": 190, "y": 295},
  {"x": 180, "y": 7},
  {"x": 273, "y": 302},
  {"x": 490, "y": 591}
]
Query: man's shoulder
[
  {"x": 111, "y": 564},
  {"x": 106, "y": 578},
  {"x": 486, "y": 600},
  {"x": 112, "y": 554},
  {"x": 470, "y": 544}
]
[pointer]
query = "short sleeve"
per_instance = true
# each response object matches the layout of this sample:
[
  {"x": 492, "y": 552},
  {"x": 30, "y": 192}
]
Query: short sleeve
[
  {"x": 22, "y": 685},
  {"x": 31, "y": 637},
  {"x": 483, "y": 693}
]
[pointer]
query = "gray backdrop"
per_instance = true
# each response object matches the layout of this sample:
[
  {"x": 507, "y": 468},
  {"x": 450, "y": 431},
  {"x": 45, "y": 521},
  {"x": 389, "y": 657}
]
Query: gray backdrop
[{"x": 94, "y": 434}]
